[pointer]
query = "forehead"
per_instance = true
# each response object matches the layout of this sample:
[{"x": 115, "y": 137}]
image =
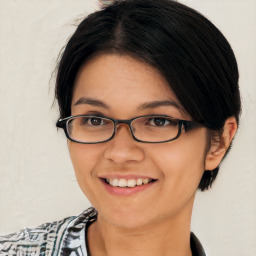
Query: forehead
[{"x": 121, "y": 81}]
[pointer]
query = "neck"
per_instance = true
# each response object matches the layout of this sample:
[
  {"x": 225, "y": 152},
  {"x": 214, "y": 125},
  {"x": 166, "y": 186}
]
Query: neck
[{"x": 169, "y": 235}]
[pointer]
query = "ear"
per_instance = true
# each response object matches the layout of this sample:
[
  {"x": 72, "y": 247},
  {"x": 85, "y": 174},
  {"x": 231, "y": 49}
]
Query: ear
[{"x": 220, "y": 145}]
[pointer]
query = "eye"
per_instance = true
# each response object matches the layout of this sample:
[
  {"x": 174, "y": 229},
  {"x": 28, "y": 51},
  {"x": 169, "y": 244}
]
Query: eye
[
  {"x": 161, "y": 121},
  {"x": 94, "y": 121}
]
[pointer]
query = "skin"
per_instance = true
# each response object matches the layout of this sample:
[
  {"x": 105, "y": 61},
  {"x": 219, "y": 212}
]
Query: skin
[{"x": 155, "y": 221}]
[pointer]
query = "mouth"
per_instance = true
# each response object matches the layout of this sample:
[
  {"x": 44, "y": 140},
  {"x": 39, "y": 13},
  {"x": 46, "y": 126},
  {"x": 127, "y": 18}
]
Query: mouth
[{"x": 127, "y": 183}]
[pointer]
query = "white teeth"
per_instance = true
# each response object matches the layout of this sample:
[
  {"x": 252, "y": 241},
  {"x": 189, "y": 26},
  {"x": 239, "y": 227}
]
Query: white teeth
[
  {"x": 139, "y": 182},
  {"x": 128, "y": 183},
  {"x": 145, "y": 181},
  {"x": 114, "y": 182},
  {"x": 122, "y": 183},
  {"x": 131, "y": 183}
]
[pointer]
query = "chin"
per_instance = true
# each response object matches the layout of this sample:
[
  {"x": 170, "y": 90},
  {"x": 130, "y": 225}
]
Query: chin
[{"x": 127, "y": 217}]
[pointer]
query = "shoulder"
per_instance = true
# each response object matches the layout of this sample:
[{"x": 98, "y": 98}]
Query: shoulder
[{"x": 47, "y": 239}]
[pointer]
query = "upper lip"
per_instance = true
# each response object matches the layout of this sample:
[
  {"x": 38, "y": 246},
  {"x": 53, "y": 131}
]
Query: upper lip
[{"x": 126, "y": 177}]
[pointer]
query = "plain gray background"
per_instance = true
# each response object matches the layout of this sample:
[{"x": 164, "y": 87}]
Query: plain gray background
[{"x": 37, "y": 180}]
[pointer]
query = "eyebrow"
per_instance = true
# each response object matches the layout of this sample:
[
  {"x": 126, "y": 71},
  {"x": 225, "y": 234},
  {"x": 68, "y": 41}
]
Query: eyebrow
[
  {"x": 160, "y": 103},
  {"x": 146, "y": 105},
  {"x": 93, "y": 102}
]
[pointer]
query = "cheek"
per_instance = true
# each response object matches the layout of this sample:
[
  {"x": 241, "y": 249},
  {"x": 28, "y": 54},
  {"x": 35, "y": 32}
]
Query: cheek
[
  {"x": 84, "y": 158},
  {"x": 182, "y": 161}
]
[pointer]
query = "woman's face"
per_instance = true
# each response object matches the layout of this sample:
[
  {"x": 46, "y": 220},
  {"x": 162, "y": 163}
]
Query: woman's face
[{"x": 122, "y": 84}]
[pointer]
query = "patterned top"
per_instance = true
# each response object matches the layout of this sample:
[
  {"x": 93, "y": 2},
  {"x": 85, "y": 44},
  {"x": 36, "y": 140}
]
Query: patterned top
[{"x": 61, "y": 238}]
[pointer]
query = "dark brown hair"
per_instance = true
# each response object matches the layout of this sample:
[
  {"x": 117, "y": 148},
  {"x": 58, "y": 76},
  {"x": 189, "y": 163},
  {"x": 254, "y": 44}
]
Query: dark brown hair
[{"x": 189, "y": 51}]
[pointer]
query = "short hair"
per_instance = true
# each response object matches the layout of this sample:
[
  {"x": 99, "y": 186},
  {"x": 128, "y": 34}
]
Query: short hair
[{"x": 185, "y": 47}]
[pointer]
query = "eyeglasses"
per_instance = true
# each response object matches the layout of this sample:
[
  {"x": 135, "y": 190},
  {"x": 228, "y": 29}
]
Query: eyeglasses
[{"x": 93, "y": 129}]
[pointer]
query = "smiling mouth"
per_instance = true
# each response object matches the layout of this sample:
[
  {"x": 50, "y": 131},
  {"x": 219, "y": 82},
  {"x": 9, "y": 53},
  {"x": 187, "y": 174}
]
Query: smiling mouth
[{"x": 130, "y": 183}]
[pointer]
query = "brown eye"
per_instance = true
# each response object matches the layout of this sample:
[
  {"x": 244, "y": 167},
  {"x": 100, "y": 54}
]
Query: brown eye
[
  {"x": 91, "y": 121},
  {"x": 159, "y": 121},
  {"x": 95, "y": 121}
]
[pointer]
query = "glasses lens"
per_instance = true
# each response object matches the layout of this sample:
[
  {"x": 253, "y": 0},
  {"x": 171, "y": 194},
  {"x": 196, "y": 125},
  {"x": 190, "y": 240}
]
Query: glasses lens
[
  {"x": 90, "y": 129},
  {"x": 155, "y": 128}
]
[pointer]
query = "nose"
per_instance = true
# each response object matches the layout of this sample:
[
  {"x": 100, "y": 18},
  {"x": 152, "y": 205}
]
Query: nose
[{"x": 123, "y": 148}]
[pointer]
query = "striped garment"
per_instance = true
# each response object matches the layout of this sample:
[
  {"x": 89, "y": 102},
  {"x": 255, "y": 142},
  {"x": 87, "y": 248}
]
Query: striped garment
[{"x": 60, "y": 238}]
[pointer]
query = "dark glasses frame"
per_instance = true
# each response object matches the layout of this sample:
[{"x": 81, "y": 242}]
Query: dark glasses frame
[{"x": 62, "y": 123}]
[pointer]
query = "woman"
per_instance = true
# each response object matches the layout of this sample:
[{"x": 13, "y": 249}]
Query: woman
[{"x": 149, "y": 101}]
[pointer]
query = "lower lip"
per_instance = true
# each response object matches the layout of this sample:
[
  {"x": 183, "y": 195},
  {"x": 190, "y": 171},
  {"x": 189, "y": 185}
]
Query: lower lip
[{"x": 126, "y": 191}]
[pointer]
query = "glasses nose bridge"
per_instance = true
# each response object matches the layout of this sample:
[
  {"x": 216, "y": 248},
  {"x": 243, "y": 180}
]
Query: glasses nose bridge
[{"x": 123, "y": 121}]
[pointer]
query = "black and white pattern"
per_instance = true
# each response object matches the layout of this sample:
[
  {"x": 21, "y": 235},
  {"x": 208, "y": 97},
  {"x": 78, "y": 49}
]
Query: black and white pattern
[{"x": 65, "y": 237}]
